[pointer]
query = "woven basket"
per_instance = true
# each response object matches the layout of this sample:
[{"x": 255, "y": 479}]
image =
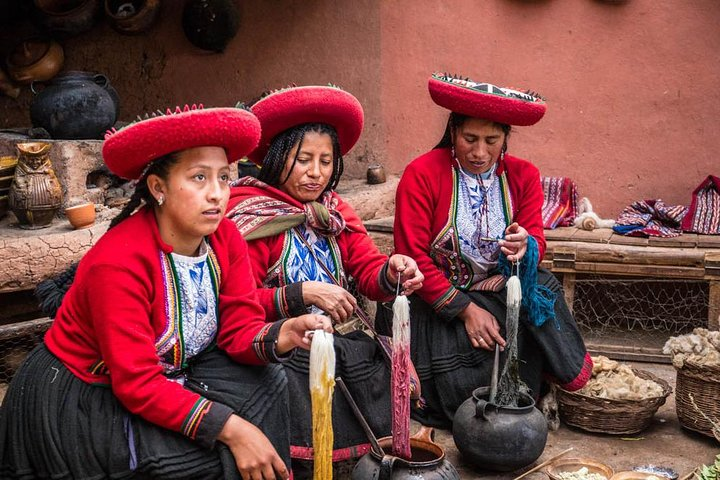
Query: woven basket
[
  {"x": 606, "y": 415},
  {"x": 703, "y": 383}
]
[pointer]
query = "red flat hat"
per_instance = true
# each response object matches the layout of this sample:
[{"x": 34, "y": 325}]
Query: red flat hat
[
  {"x": 294, "y": 106},
  {"x": 128, "y": 151},
  {"x": 484, "y": 100}
]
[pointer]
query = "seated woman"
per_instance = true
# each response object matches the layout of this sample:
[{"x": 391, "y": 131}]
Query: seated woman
[
  {"x": 137, "y": 376},
  {"x": 305, "y": 242},
  {"x": 466, "y": 211}
]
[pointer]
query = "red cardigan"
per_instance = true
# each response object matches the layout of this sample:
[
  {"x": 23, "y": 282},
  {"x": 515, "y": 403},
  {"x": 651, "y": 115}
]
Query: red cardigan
[
  {"x": 359, "y": 258},
  {"x": 425, "y": 197},
  {"x": 118, "y": 323}
]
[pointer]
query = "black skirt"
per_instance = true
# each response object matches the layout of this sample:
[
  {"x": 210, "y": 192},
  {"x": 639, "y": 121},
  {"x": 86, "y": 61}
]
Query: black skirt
[
  {"x": 360, "y": 363},
  {"x": 450, "y": 368},
  {"x": 54, "y": 425}
]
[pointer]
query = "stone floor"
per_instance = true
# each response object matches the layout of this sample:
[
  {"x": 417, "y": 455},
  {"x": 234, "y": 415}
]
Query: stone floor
[{"x": 664, "y": 443}]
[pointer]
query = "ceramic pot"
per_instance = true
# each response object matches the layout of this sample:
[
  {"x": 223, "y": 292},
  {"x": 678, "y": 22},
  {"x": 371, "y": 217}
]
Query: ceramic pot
[
  {"x": 7, "y": 165},
  {"x": 7, "y": 86},
  {"x": 81, "y": 216},
  {"x": 131, "y": 17},
  {"x": 428, "y": 462},
  {"x": 67, "y": 18},
  {"x": 4, "y": 205},
  {"x": 75, "y": 105},
  {"x": 375, "y": 174},
  {"x": 35, "y": 195},
  {"x": 35, "y": 59},
  {"x": 496, "y": 437},
  {"x": 211, "y": 24}
]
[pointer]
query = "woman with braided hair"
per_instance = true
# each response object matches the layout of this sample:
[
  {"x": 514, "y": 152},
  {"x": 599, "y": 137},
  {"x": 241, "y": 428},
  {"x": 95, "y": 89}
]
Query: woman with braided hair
[
  {"x": 466, "y": 211},
  {"x": 159, "y": 363},
  {"x": 305, "y": 242}
]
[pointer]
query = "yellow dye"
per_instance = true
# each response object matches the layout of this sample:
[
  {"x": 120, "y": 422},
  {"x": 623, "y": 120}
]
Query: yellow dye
[{"x": 322, "y": 385}]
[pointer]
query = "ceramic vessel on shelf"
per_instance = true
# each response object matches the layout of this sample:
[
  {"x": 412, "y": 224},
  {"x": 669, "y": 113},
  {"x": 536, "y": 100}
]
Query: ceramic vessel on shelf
[
  {"x": 4, "y": 205},
  {"x": 35, "y": 195},
  {"x": 67, "y": 18},
  {"x": 375, "y": 174},
  {"x": 81, "y": 216},
  {"x": 75, "y": 105},
  {"x": 210, "y": 24},
  {"x": 7, "y": 86},
  {"x": 7, "y": 165},
  {"x": 35, "y": 59},
  {"x": 131, "y": 17}
]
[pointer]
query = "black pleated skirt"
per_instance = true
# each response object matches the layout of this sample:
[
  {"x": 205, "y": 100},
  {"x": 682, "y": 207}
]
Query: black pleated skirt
[
  {"x": 450, "y": 368},
  {"x": 54, "y": 425}
]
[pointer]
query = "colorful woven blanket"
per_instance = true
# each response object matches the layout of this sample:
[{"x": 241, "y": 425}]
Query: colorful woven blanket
[
  {"x": 561, "y": 202},
  {"x": 704, "y": 214},
  {"x": 650, "y": 218}
]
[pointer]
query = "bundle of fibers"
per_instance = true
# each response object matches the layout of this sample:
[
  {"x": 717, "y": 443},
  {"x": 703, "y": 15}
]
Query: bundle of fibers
[
  {"x": 400, "y": 383},
  {"x": 322, "y": 385}
]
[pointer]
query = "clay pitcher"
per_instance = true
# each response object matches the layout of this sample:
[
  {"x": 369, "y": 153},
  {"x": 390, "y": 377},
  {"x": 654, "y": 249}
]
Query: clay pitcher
[
  {"x": 427, "y": 463},
  {"x": 496, "y": 437},
  {"x": 75, "y": 105},
  {"x": 35, "y": 194}
]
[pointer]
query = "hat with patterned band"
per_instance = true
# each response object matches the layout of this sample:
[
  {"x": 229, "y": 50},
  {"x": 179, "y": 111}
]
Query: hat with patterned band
[
  {"x": 290, "y": 107},
  {"x": 484, "y": 100},
  {"x": 128, "y": 151}
]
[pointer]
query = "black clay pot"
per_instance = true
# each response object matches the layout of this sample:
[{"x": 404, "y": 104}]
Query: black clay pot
[
  {"x": 75, "y": 105},
  {"x": 496, "y": 437},
  {"x": 67, "y": 18},
  {"x": 211, "y": 24}
]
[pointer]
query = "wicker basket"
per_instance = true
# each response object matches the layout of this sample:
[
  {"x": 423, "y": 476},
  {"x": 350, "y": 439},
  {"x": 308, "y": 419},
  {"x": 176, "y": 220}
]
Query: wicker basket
[
  {"x": 605, "y": 415},
  {"x": 703, "y": 383}
]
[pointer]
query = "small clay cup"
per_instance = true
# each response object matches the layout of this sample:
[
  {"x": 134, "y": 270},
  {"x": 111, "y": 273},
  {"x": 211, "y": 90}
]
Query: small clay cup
[
  {"x": 81, "y": 216},
  {"x": 375, "y": 174}
]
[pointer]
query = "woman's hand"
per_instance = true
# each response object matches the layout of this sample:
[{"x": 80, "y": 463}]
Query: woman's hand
[
  {"x": 482, "y": 328},
  {"x": 255, "y": 456},
  {"x": 412, "y": 277},
  {"x": 331, "y": 299},
  {"x": 514, "y": 245},
  {"x": 297, "y": 331}
]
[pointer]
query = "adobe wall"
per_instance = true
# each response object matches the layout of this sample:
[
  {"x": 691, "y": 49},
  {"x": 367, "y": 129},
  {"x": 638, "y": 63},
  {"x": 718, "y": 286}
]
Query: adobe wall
[{"x": 632, "y": 88}]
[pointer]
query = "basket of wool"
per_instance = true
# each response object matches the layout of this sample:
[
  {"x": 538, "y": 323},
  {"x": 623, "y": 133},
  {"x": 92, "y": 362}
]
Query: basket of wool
[{"x": 618, "y": 399}]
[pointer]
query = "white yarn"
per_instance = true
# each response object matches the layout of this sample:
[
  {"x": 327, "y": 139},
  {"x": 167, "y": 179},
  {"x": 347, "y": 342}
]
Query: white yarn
[
  {"x": 514, "y": 292},
  {"x": 401, "y": 321},
  {"x": 589, "y": 220},
  {"x": 322, "y": 359}
]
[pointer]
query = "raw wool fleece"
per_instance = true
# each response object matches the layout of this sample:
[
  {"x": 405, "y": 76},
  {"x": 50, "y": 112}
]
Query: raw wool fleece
[
  {"x": 502, "y": 105},
  {"x": 129, "y": 150},
  {"x": 290, "y": 107}
]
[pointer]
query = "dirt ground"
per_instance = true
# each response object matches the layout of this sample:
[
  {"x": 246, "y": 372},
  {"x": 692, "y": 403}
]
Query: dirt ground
[{"x": 665, "y": 443}]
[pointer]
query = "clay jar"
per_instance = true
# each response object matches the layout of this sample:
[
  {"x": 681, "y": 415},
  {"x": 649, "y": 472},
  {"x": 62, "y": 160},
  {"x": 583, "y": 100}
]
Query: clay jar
[
  {"x": 131, "y": 17},
  {"x": 81, "y": 216},
  {"x": 375, "y": 174},
  {"x": 496, "y": 437},
  {"x": 75, "y": 105},
  {"x": 67, "y": 18},
  {"x": 35, "y": 59},
  {"x": 35, "y": 195}
]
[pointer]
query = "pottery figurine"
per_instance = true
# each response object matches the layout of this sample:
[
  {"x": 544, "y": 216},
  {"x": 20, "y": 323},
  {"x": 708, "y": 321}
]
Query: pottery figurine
[{"x": 35, "y": 195}]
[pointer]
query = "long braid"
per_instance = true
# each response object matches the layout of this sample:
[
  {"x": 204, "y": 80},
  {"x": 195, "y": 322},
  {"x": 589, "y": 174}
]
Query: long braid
[
  {"x": 283, "y": 143},
  {"x": 51, "y": 292}
]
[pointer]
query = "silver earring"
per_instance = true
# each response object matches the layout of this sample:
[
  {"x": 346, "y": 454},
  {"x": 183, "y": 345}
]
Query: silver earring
[{"x": 161, "y": 200}]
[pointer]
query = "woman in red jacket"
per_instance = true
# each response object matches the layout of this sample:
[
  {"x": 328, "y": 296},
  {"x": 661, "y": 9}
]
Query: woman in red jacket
[
  {"x": 305, "y": 242},
  {"x": 156, "y": 365},
  {"x": 466, "y": 211}
]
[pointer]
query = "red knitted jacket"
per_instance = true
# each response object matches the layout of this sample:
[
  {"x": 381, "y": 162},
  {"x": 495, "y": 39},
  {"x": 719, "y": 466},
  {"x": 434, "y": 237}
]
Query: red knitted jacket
[
  {"x": 119, "y": 320},
  {"x": 422, "y": 207}
]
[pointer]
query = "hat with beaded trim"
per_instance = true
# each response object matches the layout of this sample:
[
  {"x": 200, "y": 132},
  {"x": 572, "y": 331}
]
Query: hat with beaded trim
[
  {"x": 484, "y": 100},
  {"x": 127, "y": 152},
  {"x": 289, "y": 107}
]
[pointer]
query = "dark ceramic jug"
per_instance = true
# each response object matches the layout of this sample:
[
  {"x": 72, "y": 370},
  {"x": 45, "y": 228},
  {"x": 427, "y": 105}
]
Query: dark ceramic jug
[
  {"x": 496, "y": 437},
  {"x": 75, "y": 105},
  {"x": 427, "y": 462}
]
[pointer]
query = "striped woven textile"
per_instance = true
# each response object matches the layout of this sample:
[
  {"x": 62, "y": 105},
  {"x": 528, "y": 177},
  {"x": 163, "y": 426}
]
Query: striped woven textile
[
  {"x": 560, "y": 202},
  {"x": 704, "y": 214},
  {"x": 650, "y": 218}
]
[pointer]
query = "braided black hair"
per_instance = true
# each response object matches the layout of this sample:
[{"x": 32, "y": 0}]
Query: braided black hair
[
  {"x": 456, "y": 120},
  {"x": 283, "y": 142},
  {"x": 159, "y": 167}
]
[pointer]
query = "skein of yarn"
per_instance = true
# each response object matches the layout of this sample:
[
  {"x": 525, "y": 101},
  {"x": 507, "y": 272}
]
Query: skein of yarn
[{"x": 322, "y": 385}]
